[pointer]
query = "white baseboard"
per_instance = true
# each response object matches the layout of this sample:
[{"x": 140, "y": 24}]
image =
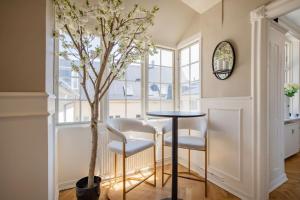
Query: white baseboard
[
  {"x": 217, "y": 180},
  {"x": 278, "y": 182}
]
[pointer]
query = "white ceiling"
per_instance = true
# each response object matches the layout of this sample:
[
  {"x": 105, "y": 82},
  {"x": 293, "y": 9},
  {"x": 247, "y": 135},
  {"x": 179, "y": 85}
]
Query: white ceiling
[
  {"x": 201, "y": 5},
  {"x": 294, "y": 17}
]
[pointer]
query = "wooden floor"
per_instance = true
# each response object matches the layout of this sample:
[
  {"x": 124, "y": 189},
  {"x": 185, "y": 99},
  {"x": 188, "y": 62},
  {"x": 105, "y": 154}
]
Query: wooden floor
[
  {"x": 188, "y": 190},
  {"x": 191, "y": 190},
  {"x": 291, "y": 189}
]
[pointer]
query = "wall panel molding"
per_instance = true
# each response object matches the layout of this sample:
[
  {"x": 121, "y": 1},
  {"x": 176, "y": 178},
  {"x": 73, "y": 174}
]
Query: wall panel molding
[
  {"x": 218, "y": 170},
  {"x": 23, "y": 104},
  {"x": 24, "y": 142},
  {"x": 230, "y": 144}
]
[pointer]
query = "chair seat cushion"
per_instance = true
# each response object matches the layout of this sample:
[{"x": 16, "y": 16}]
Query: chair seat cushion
[
  {"x": 133, "y": 146},
  {"x": 188, "y": 142}
]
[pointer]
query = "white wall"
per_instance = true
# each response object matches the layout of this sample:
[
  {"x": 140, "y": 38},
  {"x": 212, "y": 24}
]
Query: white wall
[
  {"x": 23, "y": 146},
  {"x": 230, "y": 145}
]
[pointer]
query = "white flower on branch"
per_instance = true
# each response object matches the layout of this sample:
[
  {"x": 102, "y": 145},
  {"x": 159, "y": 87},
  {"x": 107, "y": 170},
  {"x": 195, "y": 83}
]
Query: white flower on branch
[{"x": 123, "y": 39}]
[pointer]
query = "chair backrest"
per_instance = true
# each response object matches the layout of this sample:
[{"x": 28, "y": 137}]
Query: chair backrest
[
  {"x": 117, "y": 127},
  {"x": 198, "y": 124}
]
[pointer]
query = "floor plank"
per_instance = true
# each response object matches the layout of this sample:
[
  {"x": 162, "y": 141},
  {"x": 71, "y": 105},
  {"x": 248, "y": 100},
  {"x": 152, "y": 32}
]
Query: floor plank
[
  {"x": 291, "y": 189},
  {"x": 191, "y": 190},
  {"x": 188, "y": 190}
]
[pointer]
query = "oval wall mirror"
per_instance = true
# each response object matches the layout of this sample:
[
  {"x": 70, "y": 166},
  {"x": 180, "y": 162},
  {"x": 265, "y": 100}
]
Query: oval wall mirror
[{"x": 223, "y": 60}]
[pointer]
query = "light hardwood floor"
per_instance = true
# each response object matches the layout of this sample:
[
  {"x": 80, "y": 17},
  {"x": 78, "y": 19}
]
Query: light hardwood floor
[
  {"x": 191, "y": 190},
  {"x": 291, "y": 189},
  {"x": 188, "y": 190}
]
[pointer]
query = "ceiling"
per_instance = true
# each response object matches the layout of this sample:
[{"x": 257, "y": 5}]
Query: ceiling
[
  {"x": 294, "y": 17},
  {"x": 201, "y": 5},
  {"x": 172, "y": 20}
]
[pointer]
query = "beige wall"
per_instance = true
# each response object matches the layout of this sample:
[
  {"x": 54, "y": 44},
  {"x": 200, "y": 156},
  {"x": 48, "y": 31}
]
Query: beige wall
[
  {"x": 22, "y": 51},
  {"x": 237, "y": 29}
]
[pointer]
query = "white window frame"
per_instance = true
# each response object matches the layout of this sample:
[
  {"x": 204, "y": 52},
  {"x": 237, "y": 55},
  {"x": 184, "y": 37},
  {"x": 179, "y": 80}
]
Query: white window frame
[
  {"x": 146, "y": 80},
  {"x": 197, "y": 38},
  {"x": 125, "y": 100},
  {"x": 104, "y": 104}
]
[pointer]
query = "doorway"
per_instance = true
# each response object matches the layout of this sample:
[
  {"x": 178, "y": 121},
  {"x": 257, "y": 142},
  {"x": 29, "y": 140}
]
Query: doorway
[{"x": 267, "y": 93}]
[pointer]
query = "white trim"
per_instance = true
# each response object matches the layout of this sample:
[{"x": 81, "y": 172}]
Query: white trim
[
  {"x": 216, "y": 179},
  {"x": 259, "y": 77},
  {"x": 293, "y": 29},
  {"x": 190, "y": 40},
  {"x": 24, "y": 104},
  {"x": 278, "y": 182},
  {"x": 240, "y": 133},
  {"x": 187, "y": 43},
  {"x": 23, "y": 94},
  {"x": 241, "y": 98},
  {"x": 165, "y": 47},
  {"x": 27, "y": 116},
  {"x": 281, "y": 7}
]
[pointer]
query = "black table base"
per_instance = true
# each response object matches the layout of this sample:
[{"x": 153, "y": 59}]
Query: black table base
[{"x": 175, "y": 115}]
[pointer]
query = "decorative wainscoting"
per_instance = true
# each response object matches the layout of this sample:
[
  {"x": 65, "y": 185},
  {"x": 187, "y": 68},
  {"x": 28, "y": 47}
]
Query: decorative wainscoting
[
  {"x": 230, "y": 140},
  {"x": 24, "y": 145},
  {"x": 230, "y": 145}
]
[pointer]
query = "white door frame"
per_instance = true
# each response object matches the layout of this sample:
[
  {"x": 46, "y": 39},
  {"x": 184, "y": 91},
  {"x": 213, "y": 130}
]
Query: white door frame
[{"x": 259, "y": 88}]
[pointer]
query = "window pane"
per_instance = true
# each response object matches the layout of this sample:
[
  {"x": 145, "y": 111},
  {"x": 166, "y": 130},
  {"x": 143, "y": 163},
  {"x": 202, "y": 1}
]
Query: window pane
[
  {"x": 89, "y": 88},
  {"x": 134, "y": 108},
  {"x": 195, "y": 53},
  {"x": 184, "y": 89},
  {"x": 167, "y": 74},
  {"x": 133, "y": 72},
  {"x": 68, "y": 111},
  {"x": 133, "y": 90},
  {"x": 85, "y": 111},
  {"x": 65, "y": 91},
  {"x": 116, "y": 108},
  {"x": 184, "y": 103},
  {"x": 166, "y": 92},
  {"x": 184, "y": 56},
  {"x": 154, "y": 91},
  {"x": 195, "y": 88},
  {"x": 195, "y": 103},
  {"x": 154, "y": 74},
  {"x": 167, "y": 105},
  {"x": 184, "y": 74},
  {"x": 153, "y": 105},
  {"x": 195, "y": 72},
  {"x": 117, "y": 90},
  {"x": 166, "y": 58},
  {"x": 155, "y": 59}
]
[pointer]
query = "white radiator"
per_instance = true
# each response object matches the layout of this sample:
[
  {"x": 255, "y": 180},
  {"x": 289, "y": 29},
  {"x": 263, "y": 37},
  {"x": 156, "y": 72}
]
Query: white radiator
[{"x": 106, "y": 159}]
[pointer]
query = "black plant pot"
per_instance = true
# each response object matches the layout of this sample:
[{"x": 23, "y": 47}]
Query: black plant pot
[{"x": 83, "y": 193}]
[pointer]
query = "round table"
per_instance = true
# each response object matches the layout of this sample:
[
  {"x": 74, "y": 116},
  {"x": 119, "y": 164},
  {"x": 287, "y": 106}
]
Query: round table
[{"x": 175, "y": 115}]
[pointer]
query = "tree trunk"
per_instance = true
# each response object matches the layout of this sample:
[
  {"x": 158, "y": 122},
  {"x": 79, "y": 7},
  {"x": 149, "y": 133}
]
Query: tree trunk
[{"x": 94, "y": 129}]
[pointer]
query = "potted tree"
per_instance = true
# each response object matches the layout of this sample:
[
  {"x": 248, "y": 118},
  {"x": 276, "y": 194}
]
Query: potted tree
[{"x": 123, "y": 40}]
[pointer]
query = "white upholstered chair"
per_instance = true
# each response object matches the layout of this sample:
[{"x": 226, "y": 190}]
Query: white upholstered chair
[
  {"x": 196, "y": 142},
  {"x": 120, "y": 144}
]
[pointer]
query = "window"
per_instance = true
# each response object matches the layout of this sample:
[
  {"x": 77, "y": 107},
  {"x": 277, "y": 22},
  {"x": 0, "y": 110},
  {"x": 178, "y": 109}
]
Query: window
[
  {"x": 189, "y": 75},
  {"x": 72, "y": 103},
  {"x": 147, "y": 85},
  {"x": 288, "y": 73},
  {"x": 125, "y": 94},
  {"x": 160, "y": 80}
]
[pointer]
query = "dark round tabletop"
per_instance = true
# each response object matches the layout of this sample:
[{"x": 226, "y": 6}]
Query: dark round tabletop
[{"x": 175, "y": 114}]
